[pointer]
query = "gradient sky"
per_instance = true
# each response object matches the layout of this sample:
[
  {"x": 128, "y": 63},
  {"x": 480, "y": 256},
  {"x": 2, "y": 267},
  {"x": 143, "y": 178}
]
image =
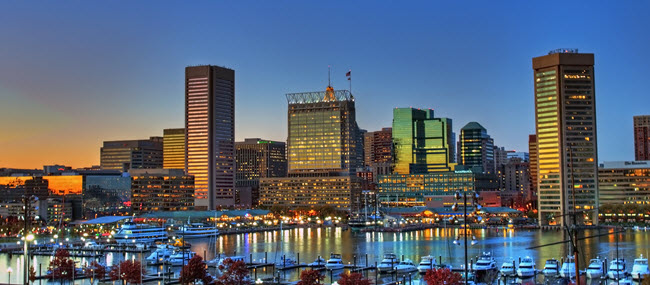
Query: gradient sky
[{"x": 76, "y": 73}]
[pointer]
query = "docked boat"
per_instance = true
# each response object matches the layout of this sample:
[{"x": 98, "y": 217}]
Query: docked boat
[
  {"x": 485, "y": 268},
  {"x": 405, "y": 266},
  {"x": 160, "y": 254},
  {"x": 426, "y": 263},
  {"x": 508, "y": 268},
  {"x": 595, "y": 269},
  {"x": 526, "y": 268},
  {"x": 197, "y": 230},
  {"x": 285, "y": 261},
  {"x": 319, "y": 262},
  {"x": 640, "y": 268},
  {"x": 92, "y": 245},
  {"x": 616, "y": 269},
  {"x": 551, "y": 268},
  {"x": 388, "y": 262},
  {"x": 131, "y": 232},
  {"x": 568, "y": 269},
  {"x": 335, "y": 262},
  {"x": 219, "y": 260},
  {"x": 180, "y": 258}
]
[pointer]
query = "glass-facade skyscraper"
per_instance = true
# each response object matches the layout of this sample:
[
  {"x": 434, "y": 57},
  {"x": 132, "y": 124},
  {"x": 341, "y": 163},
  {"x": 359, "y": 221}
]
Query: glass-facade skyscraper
[
  {"x": 476, "y": 147},
  {"x": 210, "y": 134},
  {"x": 422, "y": 143},
  {"x": 567, "y": 152}
]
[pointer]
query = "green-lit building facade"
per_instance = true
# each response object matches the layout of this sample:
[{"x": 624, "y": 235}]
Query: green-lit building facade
[{"x": 422, "y": 143}]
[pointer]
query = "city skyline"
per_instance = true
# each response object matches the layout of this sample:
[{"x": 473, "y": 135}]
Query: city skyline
[{"x": 61, "y": 113}]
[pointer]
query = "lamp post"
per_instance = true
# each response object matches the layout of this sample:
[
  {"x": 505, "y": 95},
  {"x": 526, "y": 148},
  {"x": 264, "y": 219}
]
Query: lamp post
[
  {"x": 27, "y": 207},
  {"x": 9, "y": 270},
  {"x": 477, "y": 207}
]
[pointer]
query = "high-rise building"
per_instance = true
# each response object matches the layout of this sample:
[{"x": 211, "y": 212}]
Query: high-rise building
[
  {"x": 325, "y": 149},
  {"x": 378, "y": 151},
  {"x": 642, "y": 137},
  {"x": 515, "y": 183},
  {"x": 155, "y": 190},
  {"x": 565, "y": 120},
  {"x": 532, "y": 150},
  {"x": 476, "y": 147},
  {"x": 174, "y": 148},
  {"x": 624, "y": 182},
  {"x": 256, "y": 158},
  {"x": 422, "y": 143},
  {"x": 132, "y": 154},
  {"x": 210, "y": 134}
]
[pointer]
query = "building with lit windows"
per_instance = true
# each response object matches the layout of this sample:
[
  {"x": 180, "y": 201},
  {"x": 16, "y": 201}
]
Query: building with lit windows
[
  {"x": 624, "y": 182},
  {"x": 565, "y": 120},
  {"x": 132, "y": 154},
  {"x": 154, "y": 190},
  {"x": 422, "y": 143},
  {"x": 532, "y": 166},
  {"x": 210, "y": 134},
  {"x": 378, "y": 151},
  {"x": 256, "y": 158},
  {"x": 476, "y": 147},
  {"x": 325, "y": 149},
  {"x": 174, "y": 148},
  {"x": 642, "y": 137}
]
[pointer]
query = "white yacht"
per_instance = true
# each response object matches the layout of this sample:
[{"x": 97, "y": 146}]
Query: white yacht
[
  {"x": 160, "y": 254},
  {"x": 568, "y": 269},
  {"x": 485, "y": 262},
  {"x": 335, "y": 262},
  {"x": 508, "y": 268},
  {"x": 405, "y": 266},
  {"x": 197, "y": 230},
  {"x": 180, "y": 258},
  {"x": 526, "y": 268},
  {"x": 131, "y": 232},
  {"x": 389, "y": 261},
  {"x": 92, "y": 245},
  {"x": 426, "y": 263},
  {"x": 219, "y": 260},
  {"x": 595, "y": 269},
  {"x": 616, "y": 269},
  {"x": 640, "y": 268},
  {"x": 319, "y": 262},
  {"x": 551, "y": 268}
]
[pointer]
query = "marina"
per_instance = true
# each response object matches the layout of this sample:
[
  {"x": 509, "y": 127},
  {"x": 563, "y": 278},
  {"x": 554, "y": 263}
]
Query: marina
[{"x": 283, "y": 254}]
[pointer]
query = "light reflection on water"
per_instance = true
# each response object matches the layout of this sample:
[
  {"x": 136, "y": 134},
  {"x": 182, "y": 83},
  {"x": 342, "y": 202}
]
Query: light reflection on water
[{"x": 309, "y": 243}]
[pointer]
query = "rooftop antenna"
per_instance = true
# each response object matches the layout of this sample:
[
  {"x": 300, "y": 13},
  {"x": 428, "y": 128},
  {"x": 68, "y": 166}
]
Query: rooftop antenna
[{"x": 329, "y": 75}]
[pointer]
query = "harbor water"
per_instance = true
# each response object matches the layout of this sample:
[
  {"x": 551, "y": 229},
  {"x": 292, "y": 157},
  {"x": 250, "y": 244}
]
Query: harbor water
[{"x": 307, "y": 244}]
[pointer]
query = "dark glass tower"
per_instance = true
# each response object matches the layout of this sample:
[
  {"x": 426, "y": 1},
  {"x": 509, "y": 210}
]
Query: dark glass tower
[
  {"x": 210, "y": 134},
  {"x": 476, "y": 147}
]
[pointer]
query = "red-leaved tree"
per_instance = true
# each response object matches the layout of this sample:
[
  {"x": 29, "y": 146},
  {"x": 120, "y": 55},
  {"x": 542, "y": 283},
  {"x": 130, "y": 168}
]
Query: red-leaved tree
[
  {"x": 129, "y": 271},
  {"x": 233, "y": 273},
  {"x": 311, "y": 277},
  {"x": 195, "y": 270},
  {"x": 32, "y": 274},
  {"x": 353, "y": 279},
  {"x": 442, "y": 276},
  {"x": 62, "y": 266},
  {"x": 95, "y": 270}
]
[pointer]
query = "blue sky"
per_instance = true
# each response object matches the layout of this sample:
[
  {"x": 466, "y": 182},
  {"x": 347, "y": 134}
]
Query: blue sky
[{"x": 76, "y": 73}]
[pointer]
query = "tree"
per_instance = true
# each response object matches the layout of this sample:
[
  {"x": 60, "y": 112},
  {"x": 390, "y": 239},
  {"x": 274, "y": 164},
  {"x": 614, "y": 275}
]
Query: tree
[
  {"x": 442, "y": 276},
  {"x": 61, "y": 267},
  {"x": 195, "y": 270},
  {"x": 310, "y": 277},
  {"x": 32, "y": 274},
  {"x": 234, "y": 273},
  {"x": 129, "y": 271},
  {"x": 353, "y": 279},
  {"x": 646, "y": 280},
  {"x": 95, "y": 270}
]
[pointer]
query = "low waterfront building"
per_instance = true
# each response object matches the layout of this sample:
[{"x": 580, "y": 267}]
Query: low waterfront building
[
  {"x": 624, "y": 182},
  {"x": 161, "y": 190},
  {"x": 341, "y": 192}
]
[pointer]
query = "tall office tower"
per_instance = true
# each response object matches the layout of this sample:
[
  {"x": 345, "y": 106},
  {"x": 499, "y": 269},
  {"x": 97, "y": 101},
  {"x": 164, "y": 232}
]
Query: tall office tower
[
  {"x": 565, "y": 119},
  {"x": 378, "y": 151},
  {"x": 642, "y": 137},
  {"x": 256, "y": 158},
  {"x": 174, "y": 148},
  {"x": 476, "y": 147},
  {"x": 515, "y": 190},
  {"x": 323, "y": 133},
  {"x": 132, "y": 154},
  {"x": 532, "y": 150},
  {"x": 210, "y": 134},
  {"x": 422, "y": 142}
]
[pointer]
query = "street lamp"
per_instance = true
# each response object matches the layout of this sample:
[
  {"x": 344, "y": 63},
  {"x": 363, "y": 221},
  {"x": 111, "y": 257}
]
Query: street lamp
[
  {"x": 27, "y": 207},
  {"x": 259, "y": 281},
  {"x": 9, "y": 275},
  {"x": 474, "y": 196}
]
